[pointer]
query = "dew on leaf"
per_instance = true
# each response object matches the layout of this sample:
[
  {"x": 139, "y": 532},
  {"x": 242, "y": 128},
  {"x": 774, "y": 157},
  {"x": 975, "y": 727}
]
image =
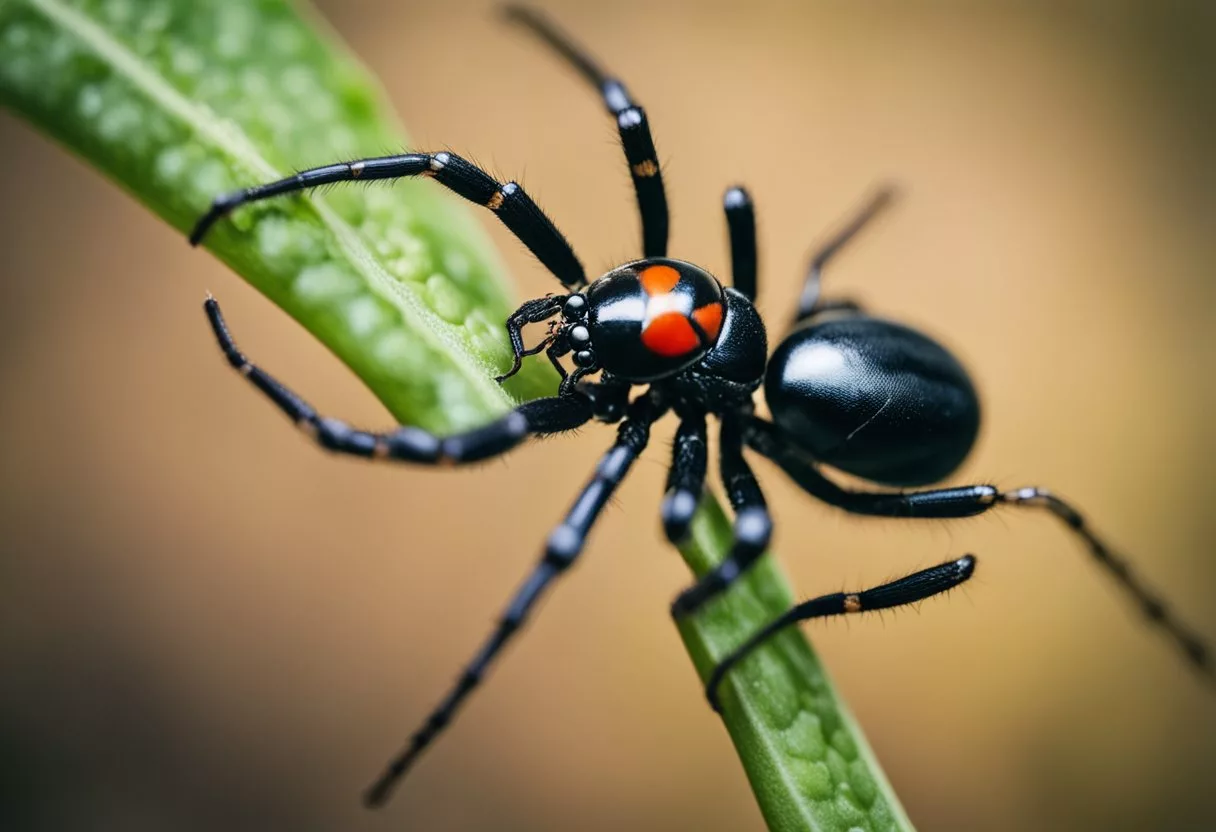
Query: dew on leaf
[
  {"x": 235, "y": 24},
  {"x": 456, "y": 263},
  {"x": 171, "y": 164},
  {"x": 444, "y": 299},
  {"x": 813, "y": 778},
  {"x": 804, "y": 737},
  {"x": 17, "y": 36},
  {"x": 846, "y": 806},
  {"x": 90, "y": 101},
  {"x": 120, "y": 121},
  {"x": 254, "y": 83},
  {"x": 299, "y": 81},
  {"x": 770, "y": 675},
  {"x": 843, "y": 742},
  {"x": 862, "y": 781},
  {"x": 325, "y": 282},
  {"x": 186, "y": 62},
  {"x": 117, "y": 13},
  {"x": 365, "y": 314},
  {"x": 285, "y": 39},
  {"x": 401, "y": 352}
]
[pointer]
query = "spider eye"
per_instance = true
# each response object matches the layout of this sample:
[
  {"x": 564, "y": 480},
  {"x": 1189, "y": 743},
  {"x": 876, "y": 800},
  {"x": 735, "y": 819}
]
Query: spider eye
[{"x": 575, "y": 307}]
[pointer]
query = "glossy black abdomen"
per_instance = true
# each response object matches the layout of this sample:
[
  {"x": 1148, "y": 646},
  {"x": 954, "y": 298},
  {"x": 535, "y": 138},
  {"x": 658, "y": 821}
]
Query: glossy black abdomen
[{"x": 873, "y": 398}]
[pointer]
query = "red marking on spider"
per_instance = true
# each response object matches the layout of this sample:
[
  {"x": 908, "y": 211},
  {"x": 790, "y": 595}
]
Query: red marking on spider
[
  {"x": 670, "y": 335},
  {"x": 658, "y": 280},
  {"x": 709, "y": 318}
]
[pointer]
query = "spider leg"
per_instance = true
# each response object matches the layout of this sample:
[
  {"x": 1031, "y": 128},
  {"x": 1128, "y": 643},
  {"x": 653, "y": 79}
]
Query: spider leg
[
  {"x": 908, "y": 590},
  {"x": 554, "y": 352},
  {"x": 969, "y": 500},
  {"x": 562, "y": 549},
  {"x": 741, "y": 226},
  {"x": 809, "y": 303},
  {"x": 752, "y": 527},
  {"x": 686, "y": 477},
  {"x": 609, "y": 397},
  {"x": 530, "y": 312},
  {"x": 569, "y": 382},
  {"x": 630, "y": 120},
  {"x": 518, "y": 212},
  {"x": 409, "y": 444}
]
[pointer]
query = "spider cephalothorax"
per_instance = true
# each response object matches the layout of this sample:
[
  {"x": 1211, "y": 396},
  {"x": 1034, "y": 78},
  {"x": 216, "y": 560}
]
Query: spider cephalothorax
[
  {"x": 873, "y": 398},
  {"x": 656, "y": 320}
]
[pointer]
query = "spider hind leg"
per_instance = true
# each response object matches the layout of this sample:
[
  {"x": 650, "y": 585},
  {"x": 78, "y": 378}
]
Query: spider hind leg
[{"x": 907, "y": 590}]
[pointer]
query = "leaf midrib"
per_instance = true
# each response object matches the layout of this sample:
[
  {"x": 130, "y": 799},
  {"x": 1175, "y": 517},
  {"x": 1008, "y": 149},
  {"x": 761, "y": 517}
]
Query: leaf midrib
[{"x": 420, "y": 320}]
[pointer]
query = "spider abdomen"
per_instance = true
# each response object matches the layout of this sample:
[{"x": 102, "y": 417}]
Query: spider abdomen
[{"x": 873, "y": 398}]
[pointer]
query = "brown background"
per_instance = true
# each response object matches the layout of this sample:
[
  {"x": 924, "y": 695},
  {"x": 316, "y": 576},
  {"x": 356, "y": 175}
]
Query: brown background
[{"x": 205, "y": 623}]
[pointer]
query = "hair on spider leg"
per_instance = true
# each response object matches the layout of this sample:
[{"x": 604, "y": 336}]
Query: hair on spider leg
[
  {"x": 910, "y": 589},
  {"x": 663, "y": 335}
]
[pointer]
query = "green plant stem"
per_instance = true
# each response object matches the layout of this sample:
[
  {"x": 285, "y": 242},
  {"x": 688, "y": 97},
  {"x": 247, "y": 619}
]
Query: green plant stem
[
  {"x": 180, "y": 100},
  {"x": 806, "y": 758}
]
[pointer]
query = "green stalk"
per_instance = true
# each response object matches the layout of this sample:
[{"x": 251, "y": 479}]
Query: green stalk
[{"x": 180, "y": 100}]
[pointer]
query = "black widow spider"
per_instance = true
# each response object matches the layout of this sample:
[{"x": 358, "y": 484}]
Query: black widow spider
[{"x": 865, "y": 395}]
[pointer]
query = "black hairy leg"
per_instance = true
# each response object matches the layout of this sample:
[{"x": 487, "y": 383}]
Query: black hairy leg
[
  {"x": 741, "y": 228},
  {"x": 562, "y": 549},
  {"x": 407, "y": 444},
  {"x": 908, "y": 590},
  {"x": 509, "y": 202},
  {"x": 811, "y": 300},
  {"x": 970, "y": 500},
  {"x": 751, "y": 530},
  {"x": 631, "y": 122}
]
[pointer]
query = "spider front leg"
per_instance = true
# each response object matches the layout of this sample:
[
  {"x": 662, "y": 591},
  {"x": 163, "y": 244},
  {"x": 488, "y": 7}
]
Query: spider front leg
[
  {"x": 564, "y": 545},
  {"x": 915, "y": 587},
  {"x": 631, "y": 123},
  {"x": 969, "y": 500},
  {"x": 409, "y": 444},
  {"x": 509, "y": 202},
  {"x": 752, "y": 526}
]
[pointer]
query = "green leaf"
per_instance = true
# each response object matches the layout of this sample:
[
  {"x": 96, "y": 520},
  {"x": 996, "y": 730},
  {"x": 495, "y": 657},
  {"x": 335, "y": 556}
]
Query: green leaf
[
  {"x": 181, "y": 100},
  {"x": 808, "y": 761}
]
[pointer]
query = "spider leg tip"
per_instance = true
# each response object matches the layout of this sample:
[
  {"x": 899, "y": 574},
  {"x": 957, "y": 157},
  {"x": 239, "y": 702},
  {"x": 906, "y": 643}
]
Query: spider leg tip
[
  {"x": 684, "y": 606},
  {"x": 376, "y": 795},
  {"x": 200, "y": 230},
  {"x": 513, "y": 11}
]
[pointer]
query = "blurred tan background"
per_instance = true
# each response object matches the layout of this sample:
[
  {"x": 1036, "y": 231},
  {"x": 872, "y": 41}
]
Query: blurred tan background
[{"x": 205, "y": 623}]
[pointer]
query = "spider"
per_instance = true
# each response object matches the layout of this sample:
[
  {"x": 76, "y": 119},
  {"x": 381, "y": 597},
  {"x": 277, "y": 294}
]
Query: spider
[{"x": 861, "y": 394}]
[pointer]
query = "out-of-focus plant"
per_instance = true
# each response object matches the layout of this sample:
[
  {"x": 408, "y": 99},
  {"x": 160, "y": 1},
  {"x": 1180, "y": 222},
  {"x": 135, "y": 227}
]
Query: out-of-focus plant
[{"x": 180, "y": 100}]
